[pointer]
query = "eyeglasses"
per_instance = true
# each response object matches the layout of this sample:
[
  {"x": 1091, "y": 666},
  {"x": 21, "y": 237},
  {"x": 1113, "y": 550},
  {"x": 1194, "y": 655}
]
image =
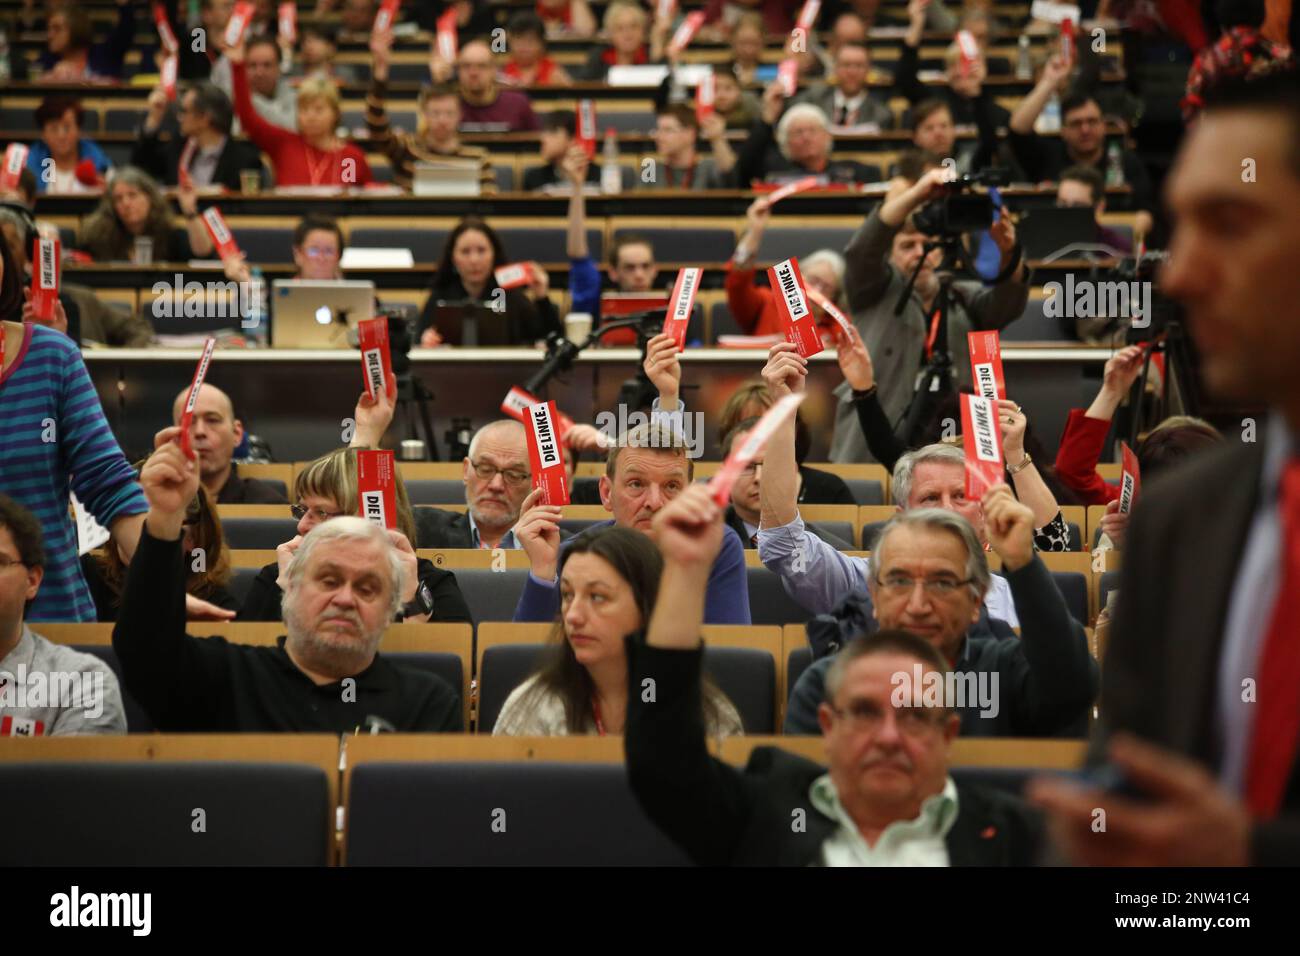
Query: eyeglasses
[
  {"x": 900, "y": 584},
  {"x": 511, "y": 476},
  {"x": 1085, "y": 121},
  {"x": 301, "y": 511},
  {"x": 320, "y": 252},
  {"x": 864, "y": 716},
  {"x": 7, "y": 563}
]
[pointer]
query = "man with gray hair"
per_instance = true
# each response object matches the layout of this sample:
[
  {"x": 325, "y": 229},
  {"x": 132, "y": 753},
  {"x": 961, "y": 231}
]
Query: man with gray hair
[
  {"x": 205, "y": 116},
  {"x": 648, "y": 467},
  {"x": 344, "y": 589},
  {"x": 799, "y": 145},
  {"x": 928, "y": 576}
]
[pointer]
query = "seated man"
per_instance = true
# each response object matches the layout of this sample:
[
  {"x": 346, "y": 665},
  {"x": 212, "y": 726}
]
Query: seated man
[
  {"x": 799, "y": 145},
  {"x": 647, "y": 468},
  {"x": 679, "y": 164},
  {"x": 274, "y": 97},
  {"x": 1084, "y": 186},
  {"x": 1044, "y": 681},
  {"x": 345, "y": 585},
  {"x": 496, "y": 474},
  {"x": 879, "y": 260},
  {"x": 46, "y": 689},
  {"x": 887, "y": 799},
  {"x": 205, "y": 117},
  {"x": 216, "y": 433},
  {"x": 483, "y": 101},
  {"x": 558, "y": 129},
  {"x": 846, "y": 100}
]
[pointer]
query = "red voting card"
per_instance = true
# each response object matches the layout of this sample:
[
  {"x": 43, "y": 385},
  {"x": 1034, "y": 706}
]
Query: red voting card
[
  {"x": 808, "y": 15},
  {"x": 448, "y": 46},
  {"x": 167, "y": 76},
  {"x": 789, "y": 189},
  {"x": 377, "y": 487},
  {"x": 842, "y": 323},
  {"x": 238, "y": 23},
  {"x": 1067, "y": 41},
  {"x": 376, "y": 359},
  {"x": 721, "y": 484},
  {"x": 1130, "y": 480},
  {"x": 513, "y": 276},
  {"x": 221, "y": 235},
  {"x": 686, "y": 31},
  {"x": 986, "y": 364},
  {"x": 968, "y": 49},
  {"x": 983, "y": 443},
  {"x": 187, "y": 417},
  {"x": 680, "y": 304},
  {"x": 705, "y": 94},
  {"x": 287, "y": 17},
  {"x": 165, "y": 33},
  {"x": 15, "y": 162},
  {"x": 45, "y": 279},
  {"x": 792, "y": 305},
  {"x": 787, "y": 74},
  {"x": 516, "y": 404},
  {"x": 586, "y": 137},
  {"x": 546, "y": 453},
  {"x": 387, "y": 15}
]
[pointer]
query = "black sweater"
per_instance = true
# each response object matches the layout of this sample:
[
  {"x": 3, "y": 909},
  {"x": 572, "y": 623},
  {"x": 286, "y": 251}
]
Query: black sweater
[{"x": 194, "y": 684}]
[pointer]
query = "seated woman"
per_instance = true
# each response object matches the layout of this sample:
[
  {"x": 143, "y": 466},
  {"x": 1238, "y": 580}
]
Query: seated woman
[
  {"x": 325, "y": 489},
  {"x": 609, "y": 578},
  {"x": 71, "y": 54},
  {"x": 472, "y": 253},
  {"x": 133, "y": 207},
  {"x": 631, "y": 41},
  {"x": 312, "y": 156},
  {"x": 203, "y": 549},
  {"x": 529, "y": 64},
  {"x": 55, "y": 157}
]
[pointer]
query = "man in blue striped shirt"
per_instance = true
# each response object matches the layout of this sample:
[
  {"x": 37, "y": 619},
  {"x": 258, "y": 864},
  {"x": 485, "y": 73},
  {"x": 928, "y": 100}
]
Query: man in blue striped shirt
[{"x": 54, "y": 440}]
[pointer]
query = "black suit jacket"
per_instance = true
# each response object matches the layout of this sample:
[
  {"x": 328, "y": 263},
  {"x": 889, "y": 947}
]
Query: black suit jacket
[
  {"x": 161, "y": 158},
  {"x": 435, "y": 528},
  {"x": 722, "y": 816},
  {"x": 1162, "y": 660}
]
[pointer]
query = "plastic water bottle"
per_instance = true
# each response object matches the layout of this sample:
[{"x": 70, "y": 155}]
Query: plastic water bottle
[
  {"x": 1049, "y": 121},
  {"x": 1114, "y": 166},
  {"x": 254, "y": 323},
  {"x": 4, "y": 56},
  {"x": 1024, "y": 64},
  {"x": 611, "y": 174}
]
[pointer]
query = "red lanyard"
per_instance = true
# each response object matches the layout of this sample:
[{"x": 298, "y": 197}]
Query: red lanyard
[
  {"x": 934, "y": 334},
  {"x": 317, "y": 173},
  {"x": 688, "y": 177},
  {"x": 595, "y": 712}
]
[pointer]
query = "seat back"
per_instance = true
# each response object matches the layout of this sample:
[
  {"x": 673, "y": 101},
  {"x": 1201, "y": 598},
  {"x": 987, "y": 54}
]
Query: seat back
[
  {"x": 255, "y": 533},
  {"x": 768, "y": 602},
  {"x": 491, "y": 595},
  {"x": 137, "y": 721}
]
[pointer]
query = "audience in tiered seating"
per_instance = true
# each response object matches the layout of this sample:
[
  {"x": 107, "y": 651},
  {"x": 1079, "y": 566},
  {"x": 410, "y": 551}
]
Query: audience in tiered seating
[
  {"x": 555, "y": 142},
  {"x": 133, "y": 208},
  {"x": 844, "y": 96},
  {"x": 887, "y": 798},
  {"x": 789, "y": 145},
  {"x": 215, "y": 433},
  {"x": 529, "y": 64},
  {"x": 626, "y": 25},
  {"x": 609, "y": 582},
  {"x": 274, "y": 98},
  {"x": 204, "y": 117},
  {"x": 679, "y": 165},
  {"x": 62, "y": 160},
  {"x": 568, "y": 18},
  {"x": 71, "y": 54},
  {"x": 33, "y": 668}
]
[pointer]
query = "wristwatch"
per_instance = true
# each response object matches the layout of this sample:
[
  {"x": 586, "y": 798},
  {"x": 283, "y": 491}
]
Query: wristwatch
[
  {"x": 421, "y": 605},
  {"x": 1024, "y": 463}
]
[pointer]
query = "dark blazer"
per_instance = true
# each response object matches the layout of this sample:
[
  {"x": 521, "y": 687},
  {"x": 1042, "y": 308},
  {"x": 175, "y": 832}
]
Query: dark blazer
[
  {"x": 1162, "y": 659},
  {"x": 722, "y": 816},
  {"x": 872, "y": 110},
  {"x": 162, "y": 158},
  {"x": 435, "y": 528}
]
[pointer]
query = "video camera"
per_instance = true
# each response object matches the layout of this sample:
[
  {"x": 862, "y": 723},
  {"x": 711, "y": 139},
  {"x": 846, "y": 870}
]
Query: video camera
[{"x": 960, "y": 209}]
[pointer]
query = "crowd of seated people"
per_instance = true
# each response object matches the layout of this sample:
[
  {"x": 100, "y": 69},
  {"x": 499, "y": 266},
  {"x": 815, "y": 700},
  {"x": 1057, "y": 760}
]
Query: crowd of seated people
[{"x": 954, "y": 582}]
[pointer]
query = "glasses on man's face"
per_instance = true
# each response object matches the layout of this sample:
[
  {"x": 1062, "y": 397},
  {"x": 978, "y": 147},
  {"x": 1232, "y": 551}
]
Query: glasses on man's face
[
  {"x": 1082, "y": 122},
  {"x": 6, "y": 563},
  {"x": 511, "y": 476},
  {"x": 301, "y": 511},
  {"x": 320, "y": 252},
  {"x": 865, "y": 716},
  {"x": 941, "y": 587}
]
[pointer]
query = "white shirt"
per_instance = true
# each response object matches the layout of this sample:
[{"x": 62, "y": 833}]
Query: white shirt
[{"x": 917, "y": 842}]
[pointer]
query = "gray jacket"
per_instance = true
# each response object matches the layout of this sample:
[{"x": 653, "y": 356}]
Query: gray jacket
[
  {"x": 897, "y": 343},
  {"x": 47, "y": 689},
  {"x": 872, "y": 110}
]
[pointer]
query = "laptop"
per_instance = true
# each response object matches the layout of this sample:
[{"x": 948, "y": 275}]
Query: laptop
[
  {"x": 447, "y": 178},
  {"x": 1052, "y": 228},
  {"x": 471, "y": 326},
  {"x": 318, "y": 313}
]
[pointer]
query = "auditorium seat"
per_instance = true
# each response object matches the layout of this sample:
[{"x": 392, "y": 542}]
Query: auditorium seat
[
  {"x": 578, "y": 525},
  {"x": 504, "y": 173},
  {"x": 1034, "y": 326},
  {"x": 865, "y": 491},
  {"x": 491, "y": 595},
  {"x": 144, "y": 813},
  {"x": 692, "y": 246},
  {"x": 137, "y": 721},
  {"x": 250, "y": 533},
  {"x": 768, "y": 602},
  {"x": 722, "y": 322},
  {"x": 544, "y": 243},
  {"x": 499, "y": 814},
  {"x": 241, "y": 580},
  {"x": 782, "y": 242},
  {"x": 425, "y": 242},
  {"x": 265, "y": 244},
  {"x": 435, "y": 491},
  {"x": 799, "y": 660},
  {"x": 841, "y": 529},
  {"x": 122, "y": 120},
  {"x": 746, "y": 675},
  {"x": 446, "y": 666}
]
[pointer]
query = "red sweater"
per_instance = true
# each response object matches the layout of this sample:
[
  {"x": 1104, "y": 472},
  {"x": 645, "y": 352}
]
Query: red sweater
[
  {"x": 754, "y": 307},
  {"x": 296, "y": 163},
  {"x": 1076, "y": 460}
]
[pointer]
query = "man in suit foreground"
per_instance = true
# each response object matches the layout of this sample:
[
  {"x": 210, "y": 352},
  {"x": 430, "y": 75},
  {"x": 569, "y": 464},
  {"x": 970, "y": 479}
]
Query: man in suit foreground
[
  {"x": 887, "y": 798},
  {"x": 1201, "y": 695}
]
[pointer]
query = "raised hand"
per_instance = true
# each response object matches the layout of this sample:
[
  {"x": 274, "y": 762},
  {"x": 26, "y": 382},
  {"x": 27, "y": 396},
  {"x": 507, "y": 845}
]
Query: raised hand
[
  {"x": 1013, "y": 422},
  {"x": 538, "y": 533},
  {"x": 663, "y": 369},
  {"x": 1122, "y": 370},
  {"x": 1009, "y": 526},
  {"x": 170, "y": 481},
  {"x": 855, "y": 360},
  {"x": 406, "y": 554},
  {"x": 688, "y": 530},
  {"x": 786, "y": 370}
]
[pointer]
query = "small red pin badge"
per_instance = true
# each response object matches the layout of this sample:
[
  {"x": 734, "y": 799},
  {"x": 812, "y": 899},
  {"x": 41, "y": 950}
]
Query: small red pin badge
[{"x": 988, "y": 833}]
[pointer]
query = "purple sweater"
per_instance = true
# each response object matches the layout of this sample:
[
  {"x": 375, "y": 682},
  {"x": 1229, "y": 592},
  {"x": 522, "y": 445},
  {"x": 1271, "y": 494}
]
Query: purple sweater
[{"x": 510, "y": 107}]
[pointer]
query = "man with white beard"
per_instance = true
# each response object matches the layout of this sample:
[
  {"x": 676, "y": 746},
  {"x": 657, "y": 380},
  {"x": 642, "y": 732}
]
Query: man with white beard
[{"x": 325, "y": 674}]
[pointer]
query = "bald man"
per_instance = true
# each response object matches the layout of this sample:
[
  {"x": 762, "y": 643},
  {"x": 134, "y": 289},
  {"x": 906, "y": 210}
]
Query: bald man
[
  {"x": 216, "y": 433},
  {"x": 497, "y": 480}
]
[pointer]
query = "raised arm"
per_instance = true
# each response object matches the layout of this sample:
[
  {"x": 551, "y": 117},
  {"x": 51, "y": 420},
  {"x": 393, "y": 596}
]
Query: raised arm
[
  {"x": 1025, "y": 476},
  {"x": 267, "y": 136},
  {"x": 1026, "y": 112},
  {"x": 867, "y": 273}
]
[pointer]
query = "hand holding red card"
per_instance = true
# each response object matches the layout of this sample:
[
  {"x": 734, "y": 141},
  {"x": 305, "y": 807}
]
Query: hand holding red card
[
  {"x": 447, "y": 36},
  {"x": 983, "y": 445},
  {"x": 705, "y": 94},
  {"x": 240, "y": 18},
  {"x": 586, "y": 131},
  {"x": 14, "y": 163},
  {"x": 792, "y": 306},
  {"x": 517, "y": 402},
  {"x": 377, "y": 487},
  {"x": 376, "y": 357},
  {"x": 287, "y": 16},
  {"x": 986, "y": 364},
  {"x": 725, "y": 478},
  {"x": 680, "y": 304},
  {"x": 787, "y": 74},
  {"x": 166, "y": 35},
  {"x": 789, "y": 189},
  {"x": 45, "y": 279},
  {"x": 842, "y": 323},
  {"x": 187, "y": 416},
  {"x": 1130, "y": 480},
  {"x": 220, "y": 233},
  {"x": 546, "y": 453},
  {"x": 387, "y": 15},
  {"x": 690, "y": 26},
  {"x": 513, "y": 276}
]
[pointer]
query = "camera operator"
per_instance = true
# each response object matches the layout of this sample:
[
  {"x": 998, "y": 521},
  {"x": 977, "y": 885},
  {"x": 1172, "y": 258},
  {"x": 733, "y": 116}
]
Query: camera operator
[{"x": 880, "y": 260}]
